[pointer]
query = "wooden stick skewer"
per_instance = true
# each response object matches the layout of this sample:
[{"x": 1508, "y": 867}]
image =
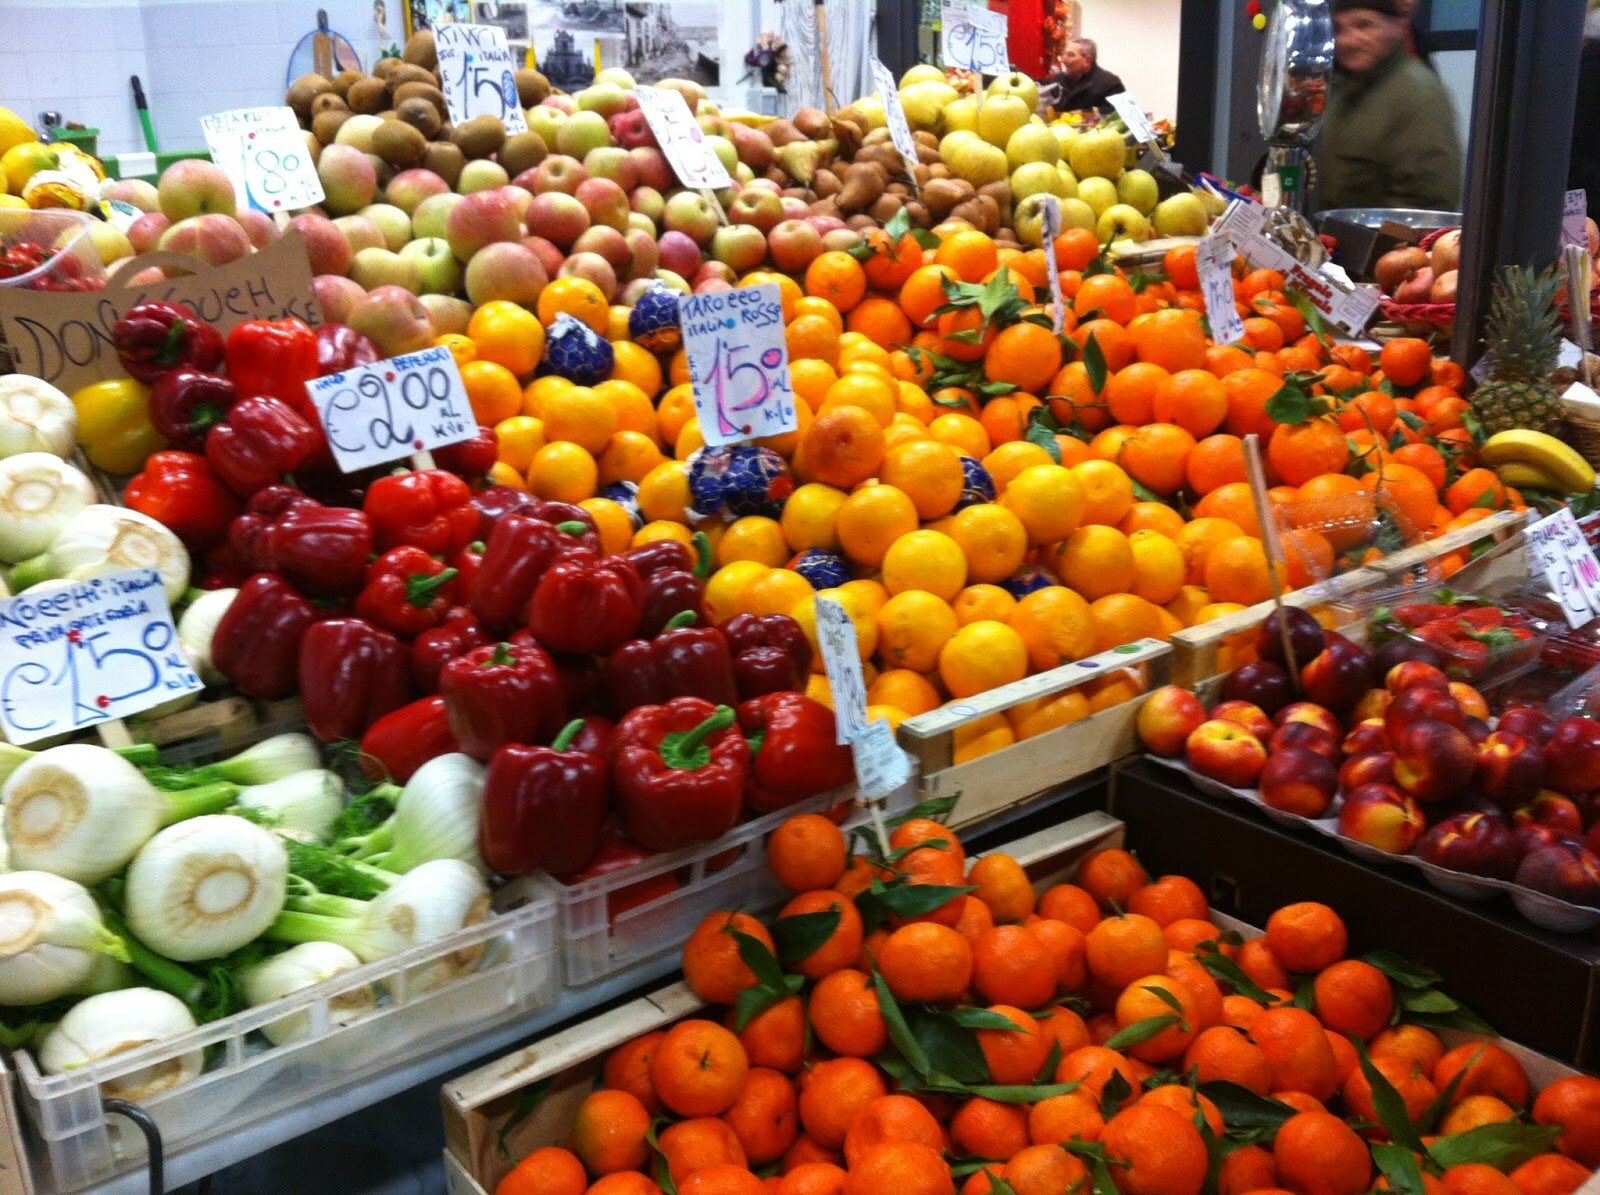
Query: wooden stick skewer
[{"x": 1273, "y": 548}]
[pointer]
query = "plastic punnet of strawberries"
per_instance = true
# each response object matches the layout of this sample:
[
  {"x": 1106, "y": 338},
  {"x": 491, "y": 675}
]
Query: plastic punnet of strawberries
[
  {"x": 1471, "y": 636},
  {"x": 26, "y": 256}
]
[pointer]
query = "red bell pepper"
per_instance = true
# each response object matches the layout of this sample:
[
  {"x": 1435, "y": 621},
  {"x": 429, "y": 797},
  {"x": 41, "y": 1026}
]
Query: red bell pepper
[
  {"x": 401, "y": 741},
  {"x": 502, "y": 693},
  {"x": 595, "y": 737},
  {"x": 515, "y": 556},
  {"x": 186, "y": 403},
  {"x": 275, "y": 357},
  {"x": 471, "y": 459},
  {"x": 257, "y": 643},
  {"x": 793, "y": 749},
  {"x": 495, "y": 502},
  {"x": 407, "y": 592},
  {"x": 430, "y": 509},
  {"x": 341, "y": 347},
  {"x": 771, "y": 654},
  {"x": 458, "y": 633},
  {"x": 467, "y": 562},
  {"x": 544, "y": 807},
  {"x": 668, "y": 593},
  {"x": 323, "y": 549},
  {"x": 247, "y": 534},
  {"x": 618, "y": 854},
  {"x": 155, "y": 337},
  {"x": 683, "y": 660},
  {"x": 351, "y": 674},
  {"x": 679, "y": 772},
  {"x": 262, "y": 441},
  {"x": 586, "y": 604},
  {"x": 662, "y": 554},
  {"x": 583, "y": 678},
  {"x": 181, "y": 491}
]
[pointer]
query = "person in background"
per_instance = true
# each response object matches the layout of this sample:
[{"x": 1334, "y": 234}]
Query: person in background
[
  {"x": 1083, "y": 84},
  {"x": 1414, "y": 43},
  {"x": 1583, "y": 169},
  {"x": 1389, "y": 136}
]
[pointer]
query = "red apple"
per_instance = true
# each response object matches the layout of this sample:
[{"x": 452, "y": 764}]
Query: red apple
[
  {"x": 1592, "y": 839},
  {"x": 1372, "y": 767},
  {"x": 1531, "y": 723},
  {"x": 1260, "y": 682},
  {"x": 1167, "y": 718},
  {"x": 1475, "y": 843},
  {"x": 1421, "y": 704},
  {"x": 794, "y": 245},
  {"x": 1382, "y": 816},
  {"x": 1312, "y": 714},
  {"x": 1364, "y": 737},
  {"x": 1573, "y": 755},
  {"x": 1297, "y": 780},
  {"x": 1304, "y": 736},
  {"x": 1510, "y": 768},
  {"x": 1338, "y": 675},
  {"x": 1412, "y": 673},
  {"x": 1251, "y": 717},
  {"x": 1305, "y": 636},
  {"x": 1477, "y": 729},
  {"x": 1568, "y": 871},
  {"x": 1225, "y": 751},
  {"x": 1546, "y": 808},
  {"x": 1433, "y": 761}
]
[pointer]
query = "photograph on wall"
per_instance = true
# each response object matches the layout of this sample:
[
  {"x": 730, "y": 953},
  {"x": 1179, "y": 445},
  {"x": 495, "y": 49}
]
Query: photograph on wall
[
  {"x": 584, "y": 19},
  {"x": 510, "y": 18},
  {"x": 664, "y": 39},
  {"x": 428, "y": 14}
]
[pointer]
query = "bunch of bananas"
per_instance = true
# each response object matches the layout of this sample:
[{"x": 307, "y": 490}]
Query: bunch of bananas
[{"x": 1534, "y": 460}]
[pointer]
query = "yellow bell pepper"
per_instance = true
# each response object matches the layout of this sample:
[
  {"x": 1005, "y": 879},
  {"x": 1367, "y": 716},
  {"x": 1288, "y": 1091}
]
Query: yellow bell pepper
[{"x": 114, "y": 425}]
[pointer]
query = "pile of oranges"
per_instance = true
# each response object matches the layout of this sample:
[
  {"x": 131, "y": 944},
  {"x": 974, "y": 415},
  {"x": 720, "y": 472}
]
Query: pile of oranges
[
  {"x": 1115, "y": 453},
  {"x": 1103, "y": 1036}
]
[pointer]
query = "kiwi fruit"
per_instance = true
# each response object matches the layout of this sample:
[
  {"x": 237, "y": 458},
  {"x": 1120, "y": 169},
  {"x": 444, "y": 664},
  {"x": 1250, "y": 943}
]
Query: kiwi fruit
[
  {"x": 399, "y": 144},
  {"x": 326, "y": 125},
  {"x": 480, "y": 136},
  {"x": 385, "y": 67},
  {"x": 304, "y": 91},
  {"x": 407, "y": 73},
  {"x": 522, "y": 152},
  {"x": 420, "y": 115},
  {"x": 328, "y": 101},
  {"x": 532, "y": 87},
  {"x": 368, "y": 96},
  {"x": 424, "y": 91},
  {"x": 345, "y": 80},
  {"x": 445, "y": 160},
  {"x": 420, "y": 50}
]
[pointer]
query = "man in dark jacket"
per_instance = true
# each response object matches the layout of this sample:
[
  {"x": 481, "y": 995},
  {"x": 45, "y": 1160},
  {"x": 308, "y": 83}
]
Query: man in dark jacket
[
  {"x": 1084, "y": 84},
  {"x": 1389, "y": 136}
]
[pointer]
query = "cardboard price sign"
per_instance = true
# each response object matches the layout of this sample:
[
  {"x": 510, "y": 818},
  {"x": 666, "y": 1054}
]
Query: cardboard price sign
[
  {"x": 1568, "y": 564},
  {"x": 65, "y": 338},
  {"x": 390, "y": 409},
  {"x": 682, "y": 139},
  {"x": 1133, "y": 116},
  {"x": 88, "y": 652},
  {"x": 1574, "y": 218},
  {"x": 1213, "y": 260},
  {"x": 881, "y": 766},
  {"x": 894, "y": 111},
  {"x": 841, "y": 660},
  {"x": 739, "y": 363},
  {"x": 974, "y": 38},
  {"x": 478, "y": 75},
  {"x": 1243, "y": 224},
  {"x": 263, "y": 151}
]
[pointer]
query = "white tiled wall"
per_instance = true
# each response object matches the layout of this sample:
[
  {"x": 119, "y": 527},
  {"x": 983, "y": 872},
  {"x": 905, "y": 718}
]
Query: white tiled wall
[{"x": 74, "y": 58}]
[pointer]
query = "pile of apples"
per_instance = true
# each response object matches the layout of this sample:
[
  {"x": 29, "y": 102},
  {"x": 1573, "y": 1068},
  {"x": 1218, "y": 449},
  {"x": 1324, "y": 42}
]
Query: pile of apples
[{"x": 1406, "y": 759}]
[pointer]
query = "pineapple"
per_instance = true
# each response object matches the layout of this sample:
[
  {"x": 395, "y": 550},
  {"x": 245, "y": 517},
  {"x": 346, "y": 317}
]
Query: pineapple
[{"x": 1524, "y": 337}]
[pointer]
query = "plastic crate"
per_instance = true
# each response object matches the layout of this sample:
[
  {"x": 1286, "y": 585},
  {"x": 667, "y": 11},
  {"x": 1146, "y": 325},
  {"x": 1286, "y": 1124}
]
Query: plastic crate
[
  {"x": 249, "y": 1080},
  {"x": 77, "y": 258},
  {"x": 728, "y": 873}
]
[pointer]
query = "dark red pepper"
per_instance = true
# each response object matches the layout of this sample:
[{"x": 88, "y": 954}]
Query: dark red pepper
[
  {"x": 407, "y": 591},
  {"x": 341, "y": 347},
  {"x": 247, "y": 532},
  {"x": 351, "y": 674},
  {"x": 430, "y": 509},
  {"x": 186, "y": 403},
  {"x": 181, "y": 491},
  {"x": 458, "y": 633},
  {"x": 616, "y": 854},
  {"x": 595, "y": 737},
  {"x": 515, "y": 556},
  {"x": 679, "y": 773},
  {"x": 152, "y": 338},
  {"x": 467, "y": 562},
  {"x": 257, "y": 643},
  {"x": 263, "y": 441},
  {"x": 683, "y": 660},
  {"x": 544, "y": 807},
  {"x": 502, "y": 693},
  {"x": 586, "y": 604},
  {"x": 275, "y": 357},
  {"x": 495, "y": 502},
  {"x": 471, "y": 459},
  {"x": 322, "y": 549},
  {"x": 663, "y": 554},
  {"x": 794, "y": 752},
  {"x": 770, "y": 654},
  {"x": 668, "y": 593},
  {"x": 401, "y": 741}
]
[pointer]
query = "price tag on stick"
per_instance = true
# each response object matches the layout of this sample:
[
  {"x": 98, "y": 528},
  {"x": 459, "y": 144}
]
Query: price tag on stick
[
  {"x": 1568, "y": 564},
  {"x": 1133, "y": 116},
  {"x": 739, "y": 363},
  {"x": 1213, "y": 260},
  {"x": 87, "y": 653},
  {"x": 682, "y": 139},
  {"x": 478, "y": 75},
  {"x": 1051, "y": 223},
  {"x": 841, "y": 660},
  {"x": 393, "y": 409},
  {"x": 263, "y": 153},
  {"x": 1574, "y": 218},
  {"x": 881, "y": 766},
  {"x": 974, "y": 38},
  {"x": 899, "y": 130}
]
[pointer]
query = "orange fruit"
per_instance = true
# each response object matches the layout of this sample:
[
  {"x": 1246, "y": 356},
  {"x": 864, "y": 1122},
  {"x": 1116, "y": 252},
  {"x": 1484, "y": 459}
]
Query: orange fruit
[
  {"x": 842, "y": 947},
  {"x": 1130, "y": 392},
  {"x": 711, "y": 962},
  {"x": 1062, "y": 1118},
  {"x": 1110, "y": 877},
  {"x": 764, "y": 1116},
  {"x": 923, "y": 292},
  {"x": 1405, "y": 361},
  {"x": 1096, "y": 560},
  {"x": 1474, "y": 1112},
  {"x": 1222, "y": 1052},
  {"x": 776, "y": 1038},
  {"x": 973, "y": 255},
  {"x": 1408, "y": 490},
  {"x": 1549, "y": 1174},
  {"x": 1354, "y": 998},
  {"x": 1489, "y": 1070},
  {"x": 1573, "y": 1103},
  {"x": 926, "y": 560},
  {"x": 844, "y": 446},
  {"x": 1168, "y": 899},
  {"x": 698, "y": 1068},
  {"x": 1155, "y": 1151},
  {"x": 1011, "y": 967},
  {"x": 1055, "y": 625},
  {"x": 881, "y": 321},
  {"x": 1045, "y": 1170},
  {"x": 1416, "y": 1091},
  {"x": 891, "y": 1118},
  {"x": 1124, "y": 948},
  {"x": 1076, "y": 906},
  {"x": 1107, "y": 295},
  {"x": 906, "y": 1167},
  {"x": 807, "y": 852},
  {"x": 608, "y": 1132},
  {"x": 1236, "y": 571},
  {"x": 833, "y": 1093},
  {"x": 1025, "y": 355},
  {"x": 1306, "y": 937},
  {"x": 892, "y": 261},
  {"x": 1155, "y": 456},
  {"x": 1247, "y": 392},
  {"x": 984, "y": 1128},
  {"x": 1193, "y": 399},
  {"x": 982, "y": 655},
  {"x": 548, "y": 1171},
  {"x": 577, "y": 297},
  {"x": 1297, "y": 1050},
  {"x": 1318, "y": 1151},
  {"x": 926, "y": 962},
  {"x": 928, "y": 471},
  {"x": 845, "y": 1014},
  {"x": 1003, "y": 886},
  {"x": 1158, "y": 996},
  {"x": 836, "y": 277},
  {"x": 871, "y": 520},
  {"x": 1186, "y": 1103},
  {"x": 1419, "y": 1048},
  {"x": 812, "y": 1178},
  {"x": 1302, "y": 451},
  {"x": 1172, "y": 339}
]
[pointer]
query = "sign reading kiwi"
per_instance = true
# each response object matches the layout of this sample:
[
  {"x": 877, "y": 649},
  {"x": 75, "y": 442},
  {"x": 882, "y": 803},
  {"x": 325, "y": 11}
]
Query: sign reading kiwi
[
  {"x": 478, "y": 75},
  {"x": 263, "y": 152}
]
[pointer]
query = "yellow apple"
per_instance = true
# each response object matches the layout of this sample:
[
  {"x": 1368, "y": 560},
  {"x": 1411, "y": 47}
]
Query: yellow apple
[
  {"x": 1075, "y": 213},
  {"x": 1032, "y": 143},
  {"x": 1100, "y": 154},
  {"x": 1181, "y": 216},
  {"x": 1122, "y": 221},
  {"x": 963, "y": 114},
  {"x": 1068, "y": 179},
  {"x": 925, "y": 104},
  {"x": 978, "y": 162},
  {"x": 1137, "y": 188},
  {"x": 25, "y": 159},
  {"x": 1037, "y": 178},
  {"x": 1018, "y": 84},
  {"x": 923, "y": 72},
  {"x": 1099, "y": 193},
  {"x": 1000, "y": 116}
]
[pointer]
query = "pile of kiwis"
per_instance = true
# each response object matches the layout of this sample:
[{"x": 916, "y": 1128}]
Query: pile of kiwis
[{"x": 401, "y": 116}]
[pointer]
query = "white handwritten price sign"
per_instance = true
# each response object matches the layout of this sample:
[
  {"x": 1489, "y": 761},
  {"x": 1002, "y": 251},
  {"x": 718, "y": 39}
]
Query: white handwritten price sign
[
  {"x": 881, "y": 766},
  {"x": 899, "y": 130},
  {"x": 1213, "y": 260},
  {"x": 80, "y": 654},
  {"x": 1133, "y": 116},
  {"x": 391, "y": 409},
  {"x": 974, "y": 38},
  {"x": 682, "y": 139},
  {"x": 841, "y": 660},
  {"x": 1568, "y": 564},
  {"x": 263, "y": 153},
  {"x": 1051, "y": 229},
  {"x": 739, "y": 363},
  {"x": 479, "y": 75},
  {"x": 1574, "y": 218}
]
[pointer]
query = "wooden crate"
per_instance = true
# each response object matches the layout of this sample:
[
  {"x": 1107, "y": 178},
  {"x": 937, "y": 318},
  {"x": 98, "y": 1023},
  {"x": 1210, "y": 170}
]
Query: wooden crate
[
  {"x": 1499, "y": 527},
  {"x": 206, "y": 730},
  {"x": 480, "y": 1150},
  {"x": 16, "y": 1175},
  {"x": 1017, "y": 773}
]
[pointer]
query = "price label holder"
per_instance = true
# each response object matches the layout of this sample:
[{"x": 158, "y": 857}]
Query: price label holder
[
  {"x": 1133, "y": 116},
  {"x": 899, "y": 130},
  {"x": 478, "y": 75},
  {"x": 1213, "y": 260},
  {"x": 263, "y": 153},
  {"x": 1574, "y": 218},
  {"x": 739, "y": 363},
  {"x": 403, "y": 407},
  {"x": 841, "y": 660},
  {"x": 1568, "y": 564},
  {"x": 973, "y": 38},
  {"x": 1051, "y": 221},
  {"x": 88, "y": 653},
  {"x": 682, "y": 140}
]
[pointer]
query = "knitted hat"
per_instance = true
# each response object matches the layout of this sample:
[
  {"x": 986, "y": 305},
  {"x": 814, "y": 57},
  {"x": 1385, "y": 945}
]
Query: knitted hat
[{"x": 1387, "y": 7}]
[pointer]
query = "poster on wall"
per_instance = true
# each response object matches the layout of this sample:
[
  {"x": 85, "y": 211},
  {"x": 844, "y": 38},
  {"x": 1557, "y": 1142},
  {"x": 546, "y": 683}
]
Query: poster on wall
[
  {"x": 429, "y": 14},
  {"x": 673, "y": 39},
  {"x": 590, "y": 27}
]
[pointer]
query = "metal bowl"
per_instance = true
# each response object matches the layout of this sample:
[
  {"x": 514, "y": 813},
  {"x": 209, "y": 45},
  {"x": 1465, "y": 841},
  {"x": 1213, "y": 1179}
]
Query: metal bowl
[{"x": 1376, "y": 217}]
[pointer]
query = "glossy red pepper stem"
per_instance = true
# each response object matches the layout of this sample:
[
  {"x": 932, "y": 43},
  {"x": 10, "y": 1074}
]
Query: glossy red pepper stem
[
  {"x": 572, "y": 527},
  {"x": 421, "y": 589},
  {"x": 683, "y": 618},
  {"x": 569, "y": 732},
  {"x": 702, "y": 554},
  {"x": 687, "y": 751}
]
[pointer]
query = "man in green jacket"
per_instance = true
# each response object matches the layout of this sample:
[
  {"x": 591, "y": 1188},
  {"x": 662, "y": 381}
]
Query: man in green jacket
[{"x": 1389, "y": 135}]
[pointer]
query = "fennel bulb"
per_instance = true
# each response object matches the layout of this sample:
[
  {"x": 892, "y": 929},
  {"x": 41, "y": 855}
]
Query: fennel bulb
[
  {"x": 271, "y": 759},
  {"x": 198, "y": 626},
  {"x": 205, "y": 887},
  {"x": 82, "y": 811},
  {"x": 50, "y": 937},
  {"x": 306, "y": 801},
  {"x": 109, "y": 539},
  {"x": 97, "y": 1029},
  {"x": 436, "y": 817},
  {"x": 39, "y": 494},
  {"x": 35, "y": 417},
  {"x": 296, "y": 969}
]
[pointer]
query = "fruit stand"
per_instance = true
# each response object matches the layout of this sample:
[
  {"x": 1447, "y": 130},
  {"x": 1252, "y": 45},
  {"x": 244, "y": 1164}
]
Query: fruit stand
[{"x": 916, "y": 644}]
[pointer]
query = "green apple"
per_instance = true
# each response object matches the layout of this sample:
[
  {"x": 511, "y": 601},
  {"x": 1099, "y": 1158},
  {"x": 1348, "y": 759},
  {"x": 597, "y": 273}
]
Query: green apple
[
  {"x": 1181, "y": 216},
  {"x": 1099, "y": 193},
  {"x": 1066, "y": 136},
  {"x": 1101, "y": 154},
  {"x": 1001, "y": 116},
  {"x": 1137, "y": 188},
  {"x": 1075, "y": 213},
  {"x": 1122, "y": 222},
  {"x": 1018, "y": 84},
  {"x": 963, "y": 115},
  {"x": 923, "y": 72},
  {"x": 1068, "y": 180},
  {"x": 618, "y": 76},
  {"x": 1032, "y": 143},
  {"x": 978, "y": 162},
  {"x": 1037, "y": 178},
  {"x": 925, "y": 104},
  {"x": 1028, "y": 219}
]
